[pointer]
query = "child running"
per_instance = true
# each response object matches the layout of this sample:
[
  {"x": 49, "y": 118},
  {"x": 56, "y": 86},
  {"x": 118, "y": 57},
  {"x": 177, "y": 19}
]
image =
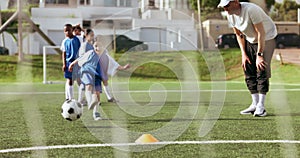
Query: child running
[
  {"x": 90, "y": 75},
  {"x": 85, "y": 47},
  {"x": 109, "y": 67}
]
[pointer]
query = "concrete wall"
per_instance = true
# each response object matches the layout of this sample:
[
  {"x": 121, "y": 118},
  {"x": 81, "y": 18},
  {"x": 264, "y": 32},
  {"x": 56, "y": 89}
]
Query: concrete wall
[
  {"x": 4, "y": 4},
  {"x": 30, "y": 44},
  {"x": 288, "y": 27},
  {"x": 214, "y": 28},
  {"x": 218, "y": 27},
  {"x": 55, "y": 23},
  {"x": 165, "y": 4},
  {"x": 167, "y": 35},
  {"x": 104, "y": 12},
  {"x": 186, "y": 24},
  {"x": 155, "y": 14},
  {"x": 84, "y": 12},
  {"x": 168, "y": 14},
  {"x": 7, "y": 40},
  {"x": 55, "y": 13},
  {"x": 167, "y": 29},
  {"x": 115, "y": 3}
]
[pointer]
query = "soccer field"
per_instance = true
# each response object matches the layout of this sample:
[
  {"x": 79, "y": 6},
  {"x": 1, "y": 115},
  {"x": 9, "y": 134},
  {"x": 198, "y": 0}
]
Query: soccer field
[{"x": 185, "y": 125}]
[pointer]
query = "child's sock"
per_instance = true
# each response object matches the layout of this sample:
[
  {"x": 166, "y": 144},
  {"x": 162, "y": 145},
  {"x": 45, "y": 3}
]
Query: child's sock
[
  {"x": 81, "y": 93},
  {"x": 96, "y": 114},
  {"x": 107, "y": 92},
  {"x": 96, "y": 108},
  {"x": 88, "y": 96},
  {"x": 94, "y": 102},
  {"x": 70, "y": 92},
  {"x": 66, "y": 91}
]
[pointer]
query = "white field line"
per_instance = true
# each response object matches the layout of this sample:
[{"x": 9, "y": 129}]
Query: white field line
[
  {"x": 146, "y": 91},
  {"x": 167, "y": 82},
  {"x": 206, "y": 83},
  {"x": 157, "y": 143}
]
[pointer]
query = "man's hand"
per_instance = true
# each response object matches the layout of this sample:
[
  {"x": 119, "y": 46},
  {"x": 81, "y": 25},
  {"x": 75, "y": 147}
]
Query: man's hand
[
  {"x": 260, "y": 63},
  {"x": 245, "y": 60}
]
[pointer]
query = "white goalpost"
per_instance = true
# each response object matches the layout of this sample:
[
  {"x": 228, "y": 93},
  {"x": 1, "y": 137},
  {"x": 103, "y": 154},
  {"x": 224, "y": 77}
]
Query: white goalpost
[{"x": 45, "y": 62}]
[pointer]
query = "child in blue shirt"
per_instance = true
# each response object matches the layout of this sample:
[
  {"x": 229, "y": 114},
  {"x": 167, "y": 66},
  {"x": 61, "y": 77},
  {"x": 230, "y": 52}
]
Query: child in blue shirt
[
  {"x": 70, "y": 47},
  {"x": 85, "y": 47},
  {"x": 90, "y": 75}
]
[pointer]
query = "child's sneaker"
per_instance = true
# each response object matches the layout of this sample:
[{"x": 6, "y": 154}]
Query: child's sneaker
[
  {"x": 112, "y": 100},
  {"x": 83, "y": 102},
  {"x": 96, "y": 116}
]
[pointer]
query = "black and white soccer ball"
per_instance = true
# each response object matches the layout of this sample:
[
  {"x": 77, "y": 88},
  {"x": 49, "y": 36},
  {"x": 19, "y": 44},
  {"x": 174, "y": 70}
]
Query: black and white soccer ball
[{"x": 71, "y": 110}]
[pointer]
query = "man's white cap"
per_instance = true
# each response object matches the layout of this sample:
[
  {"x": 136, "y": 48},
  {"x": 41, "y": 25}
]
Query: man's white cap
[{"x": 224, "y": 3}]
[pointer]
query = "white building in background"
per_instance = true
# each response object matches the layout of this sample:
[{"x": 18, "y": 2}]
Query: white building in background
[
  {"x": 4, "y": 4},
  {"x": 165, "y": 24},
  {"x": 52, "y": 15}
]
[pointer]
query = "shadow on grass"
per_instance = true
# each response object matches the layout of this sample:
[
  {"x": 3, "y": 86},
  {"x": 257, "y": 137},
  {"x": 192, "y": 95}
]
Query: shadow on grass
[
  {"x": 104, "y": 127},
  {"x": 146, "y": 121},
  {"x": 9, "y": 62},
  {"x": 176, "y": 103},
  {"x": 152, "y": 76},
  {"x": 285, "y": 114},
  {"x": 184, "y": 120},
  {"x": 32, "y": 64}
]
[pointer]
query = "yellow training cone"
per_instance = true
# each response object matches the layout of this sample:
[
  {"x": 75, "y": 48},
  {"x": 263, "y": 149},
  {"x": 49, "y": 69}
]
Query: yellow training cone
[{"x": 146, "y": 138}]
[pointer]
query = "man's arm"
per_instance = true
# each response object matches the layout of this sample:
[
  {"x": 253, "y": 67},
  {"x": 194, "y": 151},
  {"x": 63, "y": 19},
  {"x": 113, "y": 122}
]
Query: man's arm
[
  {"x": 259, "y": 28},
  {"x": 241, "y": 40}
]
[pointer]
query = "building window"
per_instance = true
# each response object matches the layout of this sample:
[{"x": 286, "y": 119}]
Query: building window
[
  {"x": 86, "y": 24},
  {"x": 57, "y": 1},
  {"x": 124, "y": 3},
  {"x": 85, "y": 2}
]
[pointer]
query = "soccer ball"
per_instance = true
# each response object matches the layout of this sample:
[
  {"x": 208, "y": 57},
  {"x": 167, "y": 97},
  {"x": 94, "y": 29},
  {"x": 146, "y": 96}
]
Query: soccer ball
[{"x": 71, "y": 110}]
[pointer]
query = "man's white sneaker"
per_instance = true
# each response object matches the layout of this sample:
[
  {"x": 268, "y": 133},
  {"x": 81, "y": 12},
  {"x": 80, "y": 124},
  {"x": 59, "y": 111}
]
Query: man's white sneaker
[
  {"x": 249, "y": 110},
  {"x": 260, "y": 112},
  {"x": 94, "y": 102}
]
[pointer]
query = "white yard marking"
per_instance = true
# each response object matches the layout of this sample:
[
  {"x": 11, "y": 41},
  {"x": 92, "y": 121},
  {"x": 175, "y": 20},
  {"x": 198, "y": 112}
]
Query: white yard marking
[
  {"x": 32, "y": 114},
  {"x": 158, "y": 143},
  {"x": 279, "y": 101},
  {"x": 146, "y": 91}
]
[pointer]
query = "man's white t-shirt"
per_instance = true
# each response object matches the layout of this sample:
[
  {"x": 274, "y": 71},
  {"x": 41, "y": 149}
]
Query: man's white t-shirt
[{"x": 252, "y": 14}]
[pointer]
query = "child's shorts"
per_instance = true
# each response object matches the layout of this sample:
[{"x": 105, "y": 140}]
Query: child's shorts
[
  {"x": 71, "y": 75},
  {"x": 89, "y": 79}
]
